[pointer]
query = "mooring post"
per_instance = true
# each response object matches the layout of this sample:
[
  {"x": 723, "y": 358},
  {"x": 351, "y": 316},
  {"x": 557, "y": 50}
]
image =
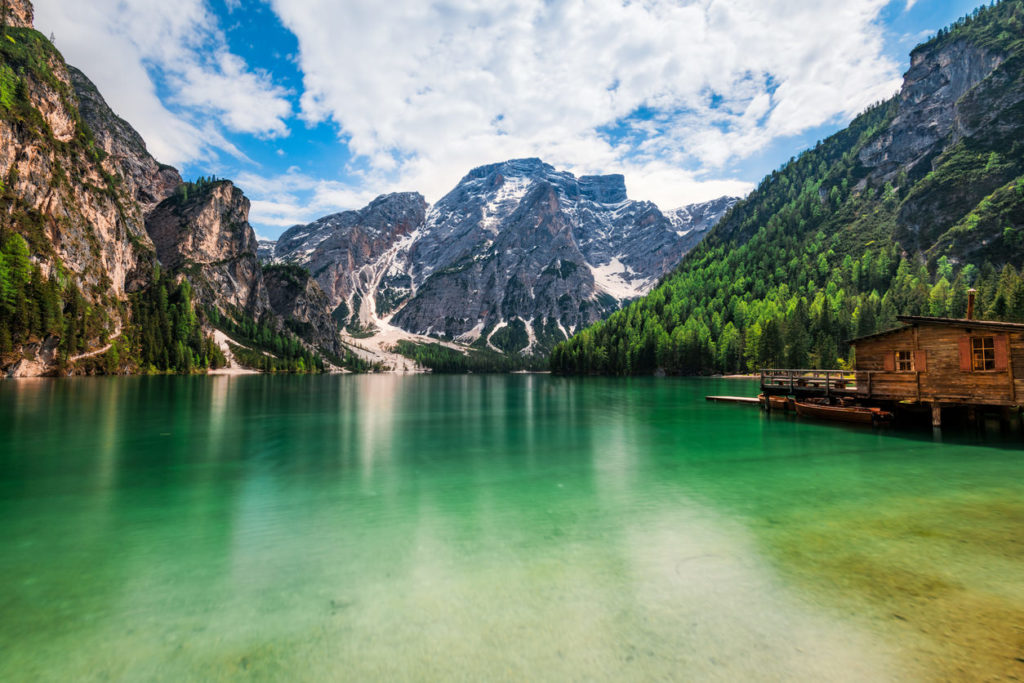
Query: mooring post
[{"x": 936, "y": 415}]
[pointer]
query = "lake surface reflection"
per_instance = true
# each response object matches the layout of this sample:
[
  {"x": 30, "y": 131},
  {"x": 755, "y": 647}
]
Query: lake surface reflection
[{"x": 493, "y": 527}]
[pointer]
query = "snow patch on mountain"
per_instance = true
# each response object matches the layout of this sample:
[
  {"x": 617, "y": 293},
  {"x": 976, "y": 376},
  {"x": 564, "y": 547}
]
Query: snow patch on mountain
[{"x": 619, "y": 280}]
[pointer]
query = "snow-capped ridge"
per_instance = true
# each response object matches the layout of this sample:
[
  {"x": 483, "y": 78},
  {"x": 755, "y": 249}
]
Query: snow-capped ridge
[{"x": 515, "y": 240}]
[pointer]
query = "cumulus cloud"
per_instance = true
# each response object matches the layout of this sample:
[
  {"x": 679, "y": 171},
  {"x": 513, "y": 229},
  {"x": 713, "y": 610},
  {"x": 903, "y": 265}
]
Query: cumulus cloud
[
  {"x": 128, "y": 47},
  {"x": 294, "y": 197},
  {"x": 672, "y": 93}
]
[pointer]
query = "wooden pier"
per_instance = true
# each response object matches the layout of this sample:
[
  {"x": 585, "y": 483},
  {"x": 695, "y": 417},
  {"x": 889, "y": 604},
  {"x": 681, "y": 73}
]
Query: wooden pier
[{"x": 809, "y": 383}]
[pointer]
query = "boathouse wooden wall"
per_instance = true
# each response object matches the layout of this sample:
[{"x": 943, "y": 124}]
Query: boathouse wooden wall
[{"x": 938, "y": 376}]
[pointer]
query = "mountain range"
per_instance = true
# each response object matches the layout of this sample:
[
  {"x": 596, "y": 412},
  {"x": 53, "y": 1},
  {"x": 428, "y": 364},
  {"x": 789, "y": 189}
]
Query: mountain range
[
  {"x": 110, "y": 262},
  {"x": 516, "y": 257}
]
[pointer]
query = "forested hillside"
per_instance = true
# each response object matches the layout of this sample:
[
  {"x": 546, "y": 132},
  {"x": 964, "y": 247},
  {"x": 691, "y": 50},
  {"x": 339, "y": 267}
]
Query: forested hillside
[{"x": 919, "y": 199}]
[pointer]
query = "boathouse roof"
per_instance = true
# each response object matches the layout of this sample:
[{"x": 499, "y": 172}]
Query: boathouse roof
[{"x": 910, "y": 321}]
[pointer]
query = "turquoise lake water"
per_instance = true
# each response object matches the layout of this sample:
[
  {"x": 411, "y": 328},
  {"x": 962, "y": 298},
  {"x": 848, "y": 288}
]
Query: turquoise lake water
[{"x": 494, "y": 528}]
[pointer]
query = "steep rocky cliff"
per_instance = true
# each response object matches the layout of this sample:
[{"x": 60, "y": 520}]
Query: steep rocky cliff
[
  {"x": 124, "y": 151},
  {"x": 928, "y": 117},
  {"x": 298, "y": 300},
  {"x": 516, "y": 245},
  {"x": 203, "y": 231},
  {"x": 83, "y": 229}
]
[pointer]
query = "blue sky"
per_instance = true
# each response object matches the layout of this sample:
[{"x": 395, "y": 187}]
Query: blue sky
[{"x": 316, "y": 106}]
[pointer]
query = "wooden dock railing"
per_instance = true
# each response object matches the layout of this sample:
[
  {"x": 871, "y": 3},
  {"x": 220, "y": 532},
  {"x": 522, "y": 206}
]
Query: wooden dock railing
[{"x": 820, "y": 382}]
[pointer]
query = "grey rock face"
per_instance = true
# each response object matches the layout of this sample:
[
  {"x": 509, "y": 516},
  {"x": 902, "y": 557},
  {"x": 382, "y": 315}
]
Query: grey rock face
[
  {"x": 954, "y": 92},
  {"x": 265, "y": 250},
  {"x": 207, "y": 236},
  {"x": 929, "y": 110},
  {"x": 351, "y": 254},
  {"x": 530, "y": 269},
  {"x": 147, "y": 180},
  {"x": 303, "y": 307},
  {"x": 517, "y": 243},
  {"x": 693, "y": 222}
]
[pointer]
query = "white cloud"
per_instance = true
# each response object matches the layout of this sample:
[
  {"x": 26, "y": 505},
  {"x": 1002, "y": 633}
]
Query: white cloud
[
  {"x": 246, "y": 101},
  {"x": 293, "y": 197},
  {"x": 426, "y": 90},
  {"x": 119, "y": 45}
]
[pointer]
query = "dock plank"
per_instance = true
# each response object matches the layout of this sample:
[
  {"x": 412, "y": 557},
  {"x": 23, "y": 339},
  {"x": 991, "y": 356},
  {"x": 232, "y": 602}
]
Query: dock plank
[{"x": 734, "y": 399}]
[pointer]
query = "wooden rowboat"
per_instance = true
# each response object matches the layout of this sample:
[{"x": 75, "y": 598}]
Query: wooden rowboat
[{"x": 856, "y": 414}]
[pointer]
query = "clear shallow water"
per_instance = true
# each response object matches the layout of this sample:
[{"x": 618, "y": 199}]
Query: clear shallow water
[{"x": 468, "y": 528}]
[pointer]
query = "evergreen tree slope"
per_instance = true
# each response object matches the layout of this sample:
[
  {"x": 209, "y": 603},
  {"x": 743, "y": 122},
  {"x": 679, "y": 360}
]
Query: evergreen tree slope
[{"x": 918, "y": 199}]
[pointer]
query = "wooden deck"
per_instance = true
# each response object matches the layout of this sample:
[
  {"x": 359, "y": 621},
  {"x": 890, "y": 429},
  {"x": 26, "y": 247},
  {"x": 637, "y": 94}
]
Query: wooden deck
[{"x": 807, "y": 383}]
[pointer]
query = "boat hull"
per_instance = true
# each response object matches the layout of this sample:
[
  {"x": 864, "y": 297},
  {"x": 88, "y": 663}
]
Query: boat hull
[{"x": 856, "y": 415}]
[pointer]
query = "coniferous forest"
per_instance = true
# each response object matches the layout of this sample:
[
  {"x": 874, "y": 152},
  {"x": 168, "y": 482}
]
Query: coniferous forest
[{"x": 167, "y": 330}]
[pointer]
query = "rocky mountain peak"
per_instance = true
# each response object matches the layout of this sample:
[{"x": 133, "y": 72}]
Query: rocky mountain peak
[
  {"x": 603, "y": 189},
  {"x": 397, "y": 210},
  {"x": 517, "y": 168}
]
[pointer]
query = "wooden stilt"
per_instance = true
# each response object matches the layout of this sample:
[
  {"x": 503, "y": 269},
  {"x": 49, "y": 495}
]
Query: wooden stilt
[{"x": 936, "y": 415}]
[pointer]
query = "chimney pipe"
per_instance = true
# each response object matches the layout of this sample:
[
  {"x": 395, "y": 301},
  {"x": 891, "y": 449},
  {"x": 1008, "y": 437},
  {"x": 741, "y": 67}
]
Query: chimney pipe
[{"x": 970, "y": 303}]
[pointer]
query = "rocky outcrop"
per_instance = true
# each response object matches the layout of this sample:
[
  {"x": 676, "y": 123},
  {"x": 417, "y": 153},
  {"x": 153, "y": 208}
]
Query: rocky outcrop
[
  {"x": 19, "y": 13},
  {"x": 203, "y": 231},
  {"x": 298, "y": 300},
  {"x": 929, "y": 111},
  {"x": 74, "y": 212},
  {"x": 147, "y": 181},
  {"x": 517, "y": 243},
  {"x": 98, "y": 213}
]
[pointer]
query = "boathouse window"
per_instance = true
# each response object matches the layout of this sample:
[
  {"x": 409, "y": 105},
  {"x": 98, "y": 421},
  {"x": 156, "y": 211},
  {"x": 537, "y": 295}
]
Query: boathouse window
[
  {"x": 983, "y": 353},
  {"x": 904, "y": 361}
]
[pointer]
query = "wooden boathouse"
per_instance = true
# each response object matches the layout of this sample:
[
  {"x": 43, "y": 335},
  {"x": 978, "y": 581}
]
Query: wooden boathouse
[{"x": 934, "y": 363}]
